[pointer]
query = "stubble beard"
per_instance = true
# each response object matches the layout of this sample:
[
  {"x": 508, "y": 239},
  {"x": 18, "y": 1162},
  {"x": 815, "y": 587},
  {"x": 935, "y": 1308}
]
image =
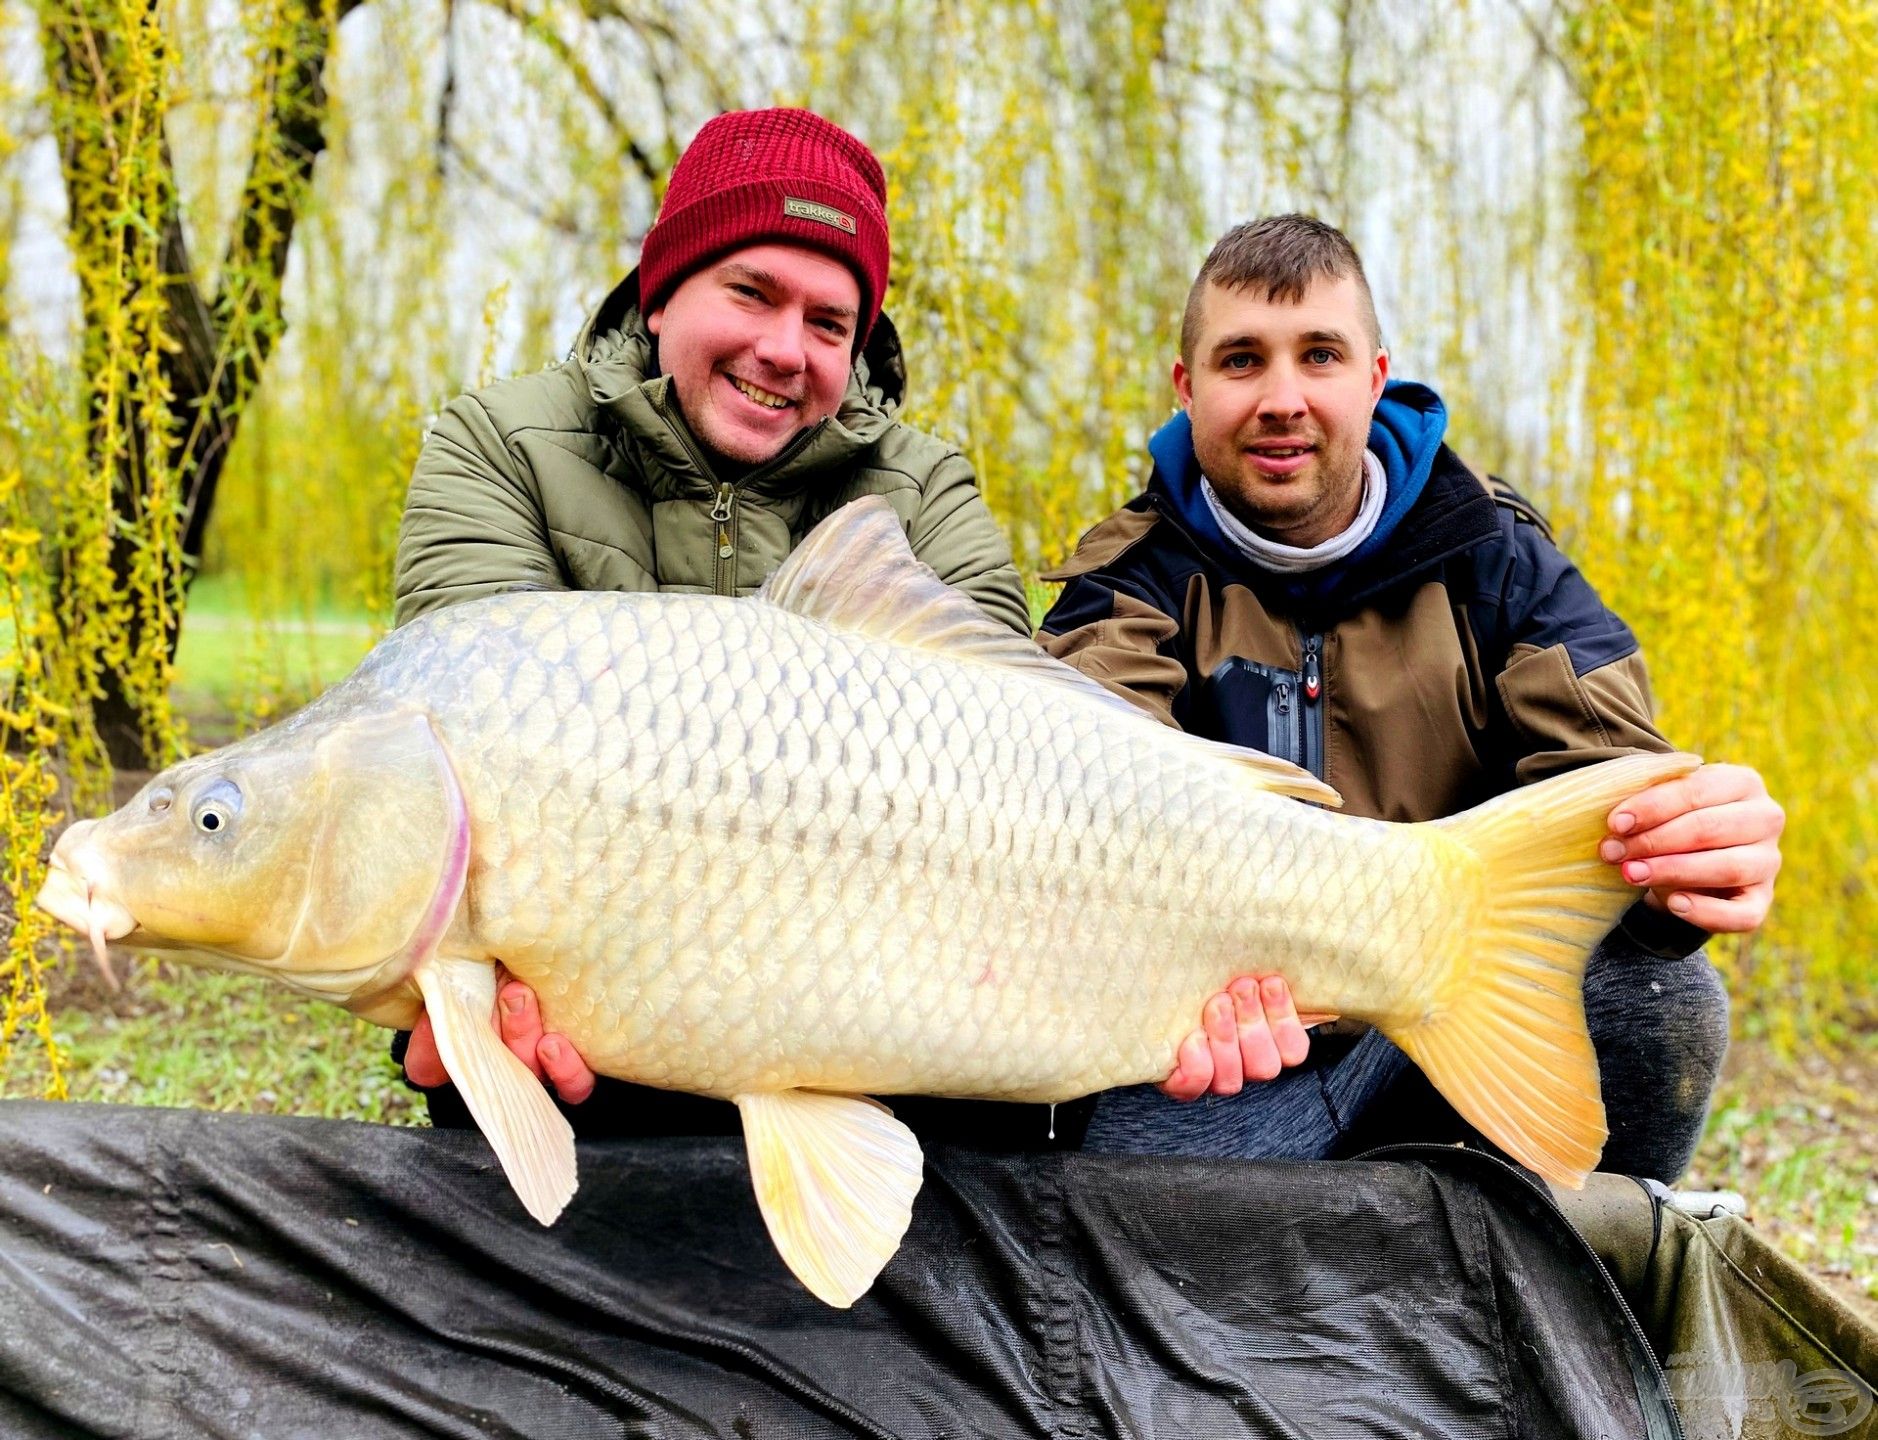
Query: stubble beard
[{"x": 1306, "y": 502}]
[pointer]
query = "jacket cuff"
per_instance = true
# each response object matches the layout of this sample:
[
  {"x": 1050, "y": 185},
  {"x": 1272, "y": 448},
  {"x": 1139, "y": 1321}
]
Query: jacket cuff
[
  {"x": 401, "y": 1042},
  {"x": 1661, "y": 933}
]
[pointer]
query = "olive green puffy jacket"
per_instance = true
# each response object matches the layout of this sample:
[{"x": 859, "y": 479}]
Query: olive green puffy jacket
[{"x": 584, "y": 477}]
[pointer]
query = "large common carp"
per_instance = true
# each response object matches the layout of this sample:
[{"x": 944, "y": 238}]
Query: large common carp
[{"x": 850, "y": 837}]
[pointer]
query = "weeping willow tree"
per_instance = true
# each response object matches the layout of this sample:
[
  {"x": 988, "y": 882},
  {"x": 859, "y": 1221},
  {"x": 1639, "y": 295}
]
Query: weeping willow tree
[
  {"x": 1621, "y": 241},
  {"x": 1727, "y": 264}
]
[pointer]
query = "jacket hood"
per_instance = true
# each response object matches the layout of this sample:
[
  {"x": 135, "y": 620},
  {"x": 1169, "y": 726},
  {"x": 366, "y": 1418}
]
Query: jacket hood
[
  {"x": 1405, "y": 434},
  {"x": 620, "y": 359}
]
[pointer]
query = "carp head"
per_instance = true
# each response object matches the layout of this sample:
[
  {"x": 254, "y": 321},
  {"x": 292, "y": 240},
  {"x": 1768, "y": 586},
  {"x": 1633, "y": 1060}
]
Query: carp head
[{"x": 329, "y": 856}]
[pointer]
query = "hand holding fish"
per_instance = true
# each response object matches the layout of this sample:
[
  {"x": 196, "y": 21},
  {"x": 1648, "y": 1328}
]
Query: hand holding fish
[
  {"x": 1250, "y": 1031},
  {"x": 551, "y": 1057},
  {"x": 1707, "y": 846}
]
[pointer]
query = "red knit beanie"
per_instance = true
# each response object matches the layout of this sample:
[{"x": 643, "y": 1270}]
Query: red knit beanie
[{"x": 757, "y": 176}]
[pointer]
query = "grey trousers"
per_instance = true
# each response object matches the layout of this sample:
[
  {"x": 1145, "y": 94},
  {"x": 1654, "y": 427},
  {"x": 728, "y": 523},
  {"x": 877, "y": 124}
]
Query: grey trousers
[{"x": 1659, "y": 1027}]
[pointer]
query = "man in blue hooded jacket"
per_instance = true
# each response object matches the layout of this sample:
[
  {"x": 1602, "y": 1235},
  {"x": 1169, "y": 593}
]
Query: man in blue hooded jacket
[{"x": 1312, "y": 572}]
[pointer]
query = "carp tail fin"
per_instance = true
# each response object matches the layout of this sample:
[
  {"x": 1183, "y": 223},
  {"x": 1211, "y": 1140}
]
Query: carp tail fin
[
  {"x": 835, "y": 1178},
  {"x": 1503, "y": 1036}
]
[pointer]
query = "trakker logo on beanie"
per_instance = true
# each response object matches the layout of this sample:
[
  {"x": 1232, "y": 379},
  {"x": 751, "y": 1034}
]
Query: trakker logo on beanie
[
  {"x": 768, "y": 176},
  {"x": 809, "y": 210}
]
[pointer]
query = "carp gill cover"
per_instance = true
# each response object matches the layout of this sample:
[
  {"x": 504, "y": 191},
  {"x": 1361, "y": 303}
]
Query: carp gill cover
[{"x": 847, "y": 838}]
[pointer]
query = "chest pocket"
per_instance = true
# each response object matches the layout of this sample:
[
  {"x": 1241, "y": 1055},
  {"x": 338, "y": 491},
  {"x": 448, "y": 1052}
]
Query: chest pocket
[{"x": 1262, "y": 707}]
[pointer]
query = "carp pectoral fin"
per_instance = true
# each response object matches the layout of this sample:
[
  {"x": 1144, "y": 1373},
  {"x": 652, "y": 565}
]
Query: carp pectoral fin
[
  {"x": 835, "y": 1178},
  {"x": 1502, "y": 1033},
  {"x": 530, "y": 1136}
]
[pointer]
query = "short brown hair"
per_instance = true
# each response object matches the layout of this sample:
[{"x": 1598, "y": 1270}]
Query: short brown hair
[{"x": 1283, "y": 253}]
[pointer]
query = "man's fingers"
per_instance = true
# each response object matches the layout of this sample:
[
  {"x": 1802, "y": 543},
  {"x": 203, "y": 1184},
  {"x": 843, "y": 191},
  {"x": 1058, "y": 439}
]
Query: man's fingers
[
  {"x": 1723, "y": 914},
  {"x": 519, "y": 1020},
  {"x": 423, "y": 1066},
  {"x": 1222, "y": 1041},
  {"x": 571, "y": 1078},
  {"x": 1287, "y": 1030},
  {"x": 1715, "y": 827},
  {"x": 1193, "y": 1072},
  {"x": 1258, "y": 1051},
  {"x": 1732, "y": 869},
  {"x": 1710, "y": 785}
]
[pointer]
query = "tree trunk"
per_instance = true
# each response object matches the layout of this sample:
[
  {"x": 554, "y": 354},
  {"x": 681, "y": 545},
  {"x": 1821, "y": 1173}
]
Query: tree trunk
[{"x": 218, "y": 348}]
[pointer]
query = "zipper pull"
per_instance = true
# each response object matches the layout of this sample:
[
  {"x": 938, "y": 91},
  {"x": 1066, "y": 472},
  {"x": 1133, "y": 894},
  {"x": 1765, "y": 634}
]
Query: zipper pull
[
  {"x": 720, "y": 512},
  {"x": 1313, "y": 674},
  {"x": 1284, "y": 698}
]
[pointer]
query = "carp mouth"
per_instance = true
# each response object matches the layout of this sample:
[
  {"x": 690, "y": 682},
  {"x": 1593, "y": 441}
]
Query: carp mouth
[{"x": 73, "y": 899}]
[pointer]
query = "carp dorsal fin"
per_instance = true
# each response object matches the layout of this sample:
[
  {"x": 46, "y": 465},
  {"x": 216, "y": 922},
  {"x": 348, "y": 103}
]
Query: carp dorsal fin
[
  {"x": 855, "y": 571},
  {"x": 835, "y": 1177},
  {"x": 1268, "y": 772}
]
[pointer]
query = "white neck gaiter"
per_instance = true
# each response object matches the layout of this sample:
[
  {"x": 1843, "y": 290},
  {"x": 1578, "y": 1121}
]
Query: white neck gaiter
[{"x": 1290, "y": 559}]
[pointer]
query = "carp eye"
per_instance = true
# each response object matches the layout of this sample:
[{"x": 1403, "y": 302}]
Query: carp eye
[{"x": 217, "y": 807}]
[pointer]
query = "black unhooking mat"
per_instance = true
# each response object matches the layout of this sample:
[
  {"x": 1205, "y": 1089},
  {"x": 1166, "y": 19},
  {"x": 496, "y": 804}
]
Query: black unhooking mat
[{"x": 170, "y": 1273}]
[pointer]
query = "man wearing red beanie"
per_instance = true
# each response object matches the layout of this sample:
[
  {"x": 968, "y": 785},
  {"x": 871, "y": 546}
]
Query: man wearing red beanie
[{"x": 730, "y": 393}]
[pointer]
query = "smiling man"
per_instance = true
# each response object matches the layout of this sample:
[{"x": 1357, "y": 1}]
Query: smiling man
[{"x": 1312, "y": 572}]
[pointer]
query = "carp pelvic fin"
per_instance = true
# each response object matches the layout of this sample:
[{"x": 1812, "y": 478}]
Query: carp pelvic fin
[
  {"x": 530, "y": 1136},
  {"x": 1503, "y": 1035},
  {"x": 835, "y": 1178}
]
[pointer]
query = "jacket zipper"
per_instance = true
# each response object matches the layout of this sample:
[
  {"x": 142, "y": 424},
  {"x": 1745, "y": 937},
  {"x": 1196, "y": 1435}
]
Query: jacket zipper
[
  {"x": 723, "y": 517},
  {"x": 1310, "y": 711},
  {"x": 724, "y": 511},
  {"x": 724, "y": 508},
  {"x": 1419, "y": 1150}
]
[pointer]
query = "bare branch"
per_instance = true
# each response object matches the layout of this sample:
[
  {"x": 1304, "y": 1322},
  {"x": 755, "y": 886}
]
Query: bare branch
[
  {"x": 446, "y": 99},
  {"x": 561, "y": 223},
  {"x": 582, "y": 77},
  {"x": 1539, "y": 30}
]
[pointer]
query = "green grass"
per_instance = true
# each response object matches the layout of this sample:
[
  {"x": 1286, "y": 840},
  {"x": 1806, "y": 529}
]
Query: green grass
[
  {"x": 190, "y": 1038},
  {"x": 229, "y": 662}
]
